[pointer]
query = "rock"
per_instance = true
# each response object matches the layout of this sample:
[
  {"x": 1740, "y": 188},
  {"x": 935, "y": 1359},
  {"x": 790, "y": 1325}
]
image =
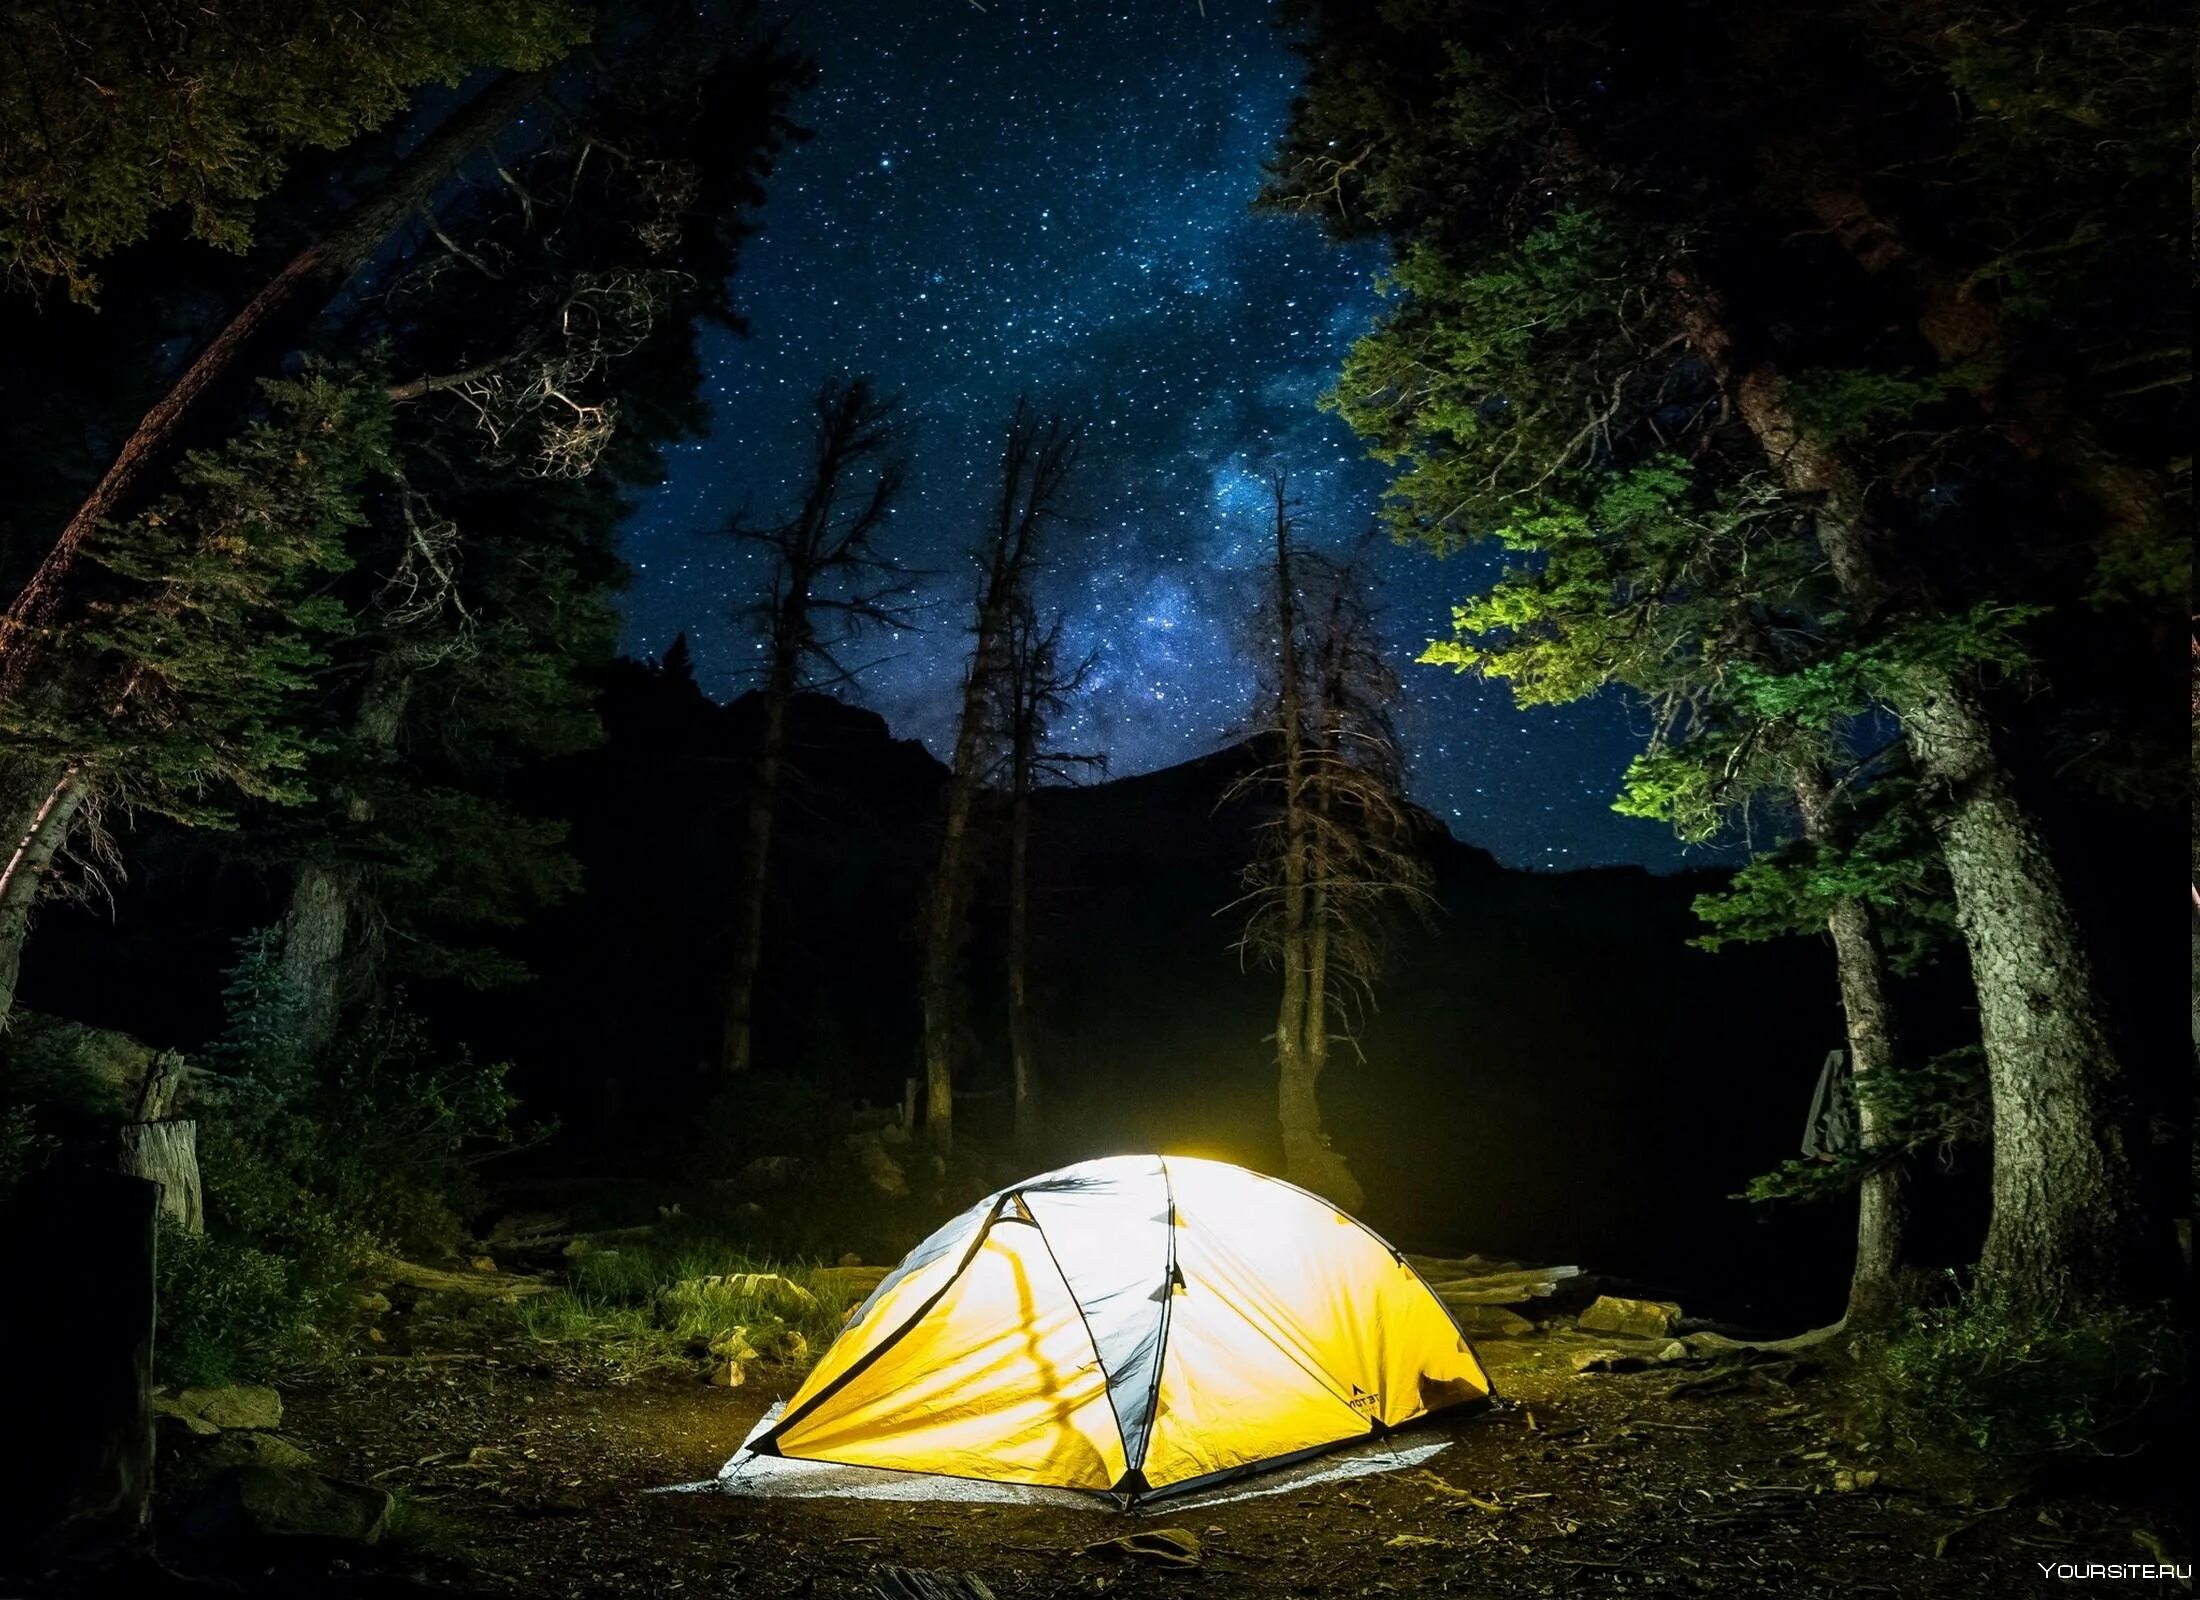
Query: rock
[
  {"x": 734, "y": 1346},
  {"x": 1490, "y": 1322},
  {"x": 483, "y": 1263},
  {"x": 170, "y": 1411},
  {"x": 372, "y": 1302},
  {"x": 1852, "y": 1480},
  {"x": 253, "y": 1450},
  {"x": 287, "y": 1503},
  {"x": 791, "y": 1346},
  {"x": 880, "y": 1170},
  {"x": 235, "y": 1405},
  {"x": 851, "y": 1259},
  {"x": 1633, "y": 1319},
  {"x": 1412, "y": 1541},
  {"x": 770, "y": 1172},
  {"x": 1636, "y": 1359},
  {"x": 727, "y": 1375}
]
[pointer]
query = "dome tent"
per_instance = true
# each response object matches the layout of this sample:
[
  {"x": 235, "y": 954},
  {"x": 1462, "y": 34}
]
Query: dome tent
[{"x": 1130, "y": 1326}]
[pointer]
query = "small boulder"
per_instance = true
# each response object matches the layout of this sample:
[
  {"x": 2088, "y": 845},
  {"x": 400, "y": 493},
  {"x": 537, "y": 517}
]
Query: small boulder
[
  {"x": 733, "y": 1345},
  {"x": 233, "y": 1405},
  {"x": 253, "y": 1450},
  {"x": 727, "y": 1375},
  {"x": 791, "y": 1346},
  {"x": 1633, "y": 1319},
  {"x": 287, "y": 1503},
  {"x": 880, "y": 1170},
  {"x": 851, "y": 1259},
  {"x": 371, "y": 1302},
  {"x": 484, "y": 1263},
  {"x": 174, "y": 1417}
]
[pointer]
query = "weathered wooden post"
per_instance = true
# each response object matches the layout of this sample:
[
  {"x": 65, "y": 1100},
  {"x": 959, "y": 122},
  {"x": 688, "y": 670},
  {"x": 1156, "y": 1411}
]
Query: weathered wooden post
[
  {"x": 77, "y": 1248},
  {"x": 164, "y": 1148}
]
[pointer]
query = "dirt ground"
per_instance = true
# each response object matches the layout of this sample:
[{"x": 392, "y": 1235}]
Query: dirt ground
[{"x": 529, "y": 1474}]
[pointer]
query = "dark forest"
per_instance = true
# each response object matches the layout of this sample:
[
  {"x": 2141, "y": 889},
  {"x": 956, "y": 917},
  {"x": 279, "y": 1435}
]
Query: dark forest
[{"x": 1085, "y": 797}]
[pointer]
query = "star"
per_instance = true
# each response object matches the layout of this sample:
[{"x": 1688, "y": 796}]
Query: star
[{"x": 1058, "y": 205}]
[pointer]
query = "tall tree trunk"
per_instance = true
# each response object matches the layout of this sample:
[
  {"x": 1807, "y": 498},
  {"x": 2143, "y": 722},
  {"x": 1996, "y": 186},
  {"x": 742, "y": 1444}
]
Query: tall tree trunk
[
  {"x": 1022, "y": 1069},
  {"x": 42, "y": 802},
  {"x": 283, "y": 304},
  {"x": 943, "y": 920},
  {"x": 326, "y": 952},
  {"x": 1874, "y": 1294},
  {"x": 736, "y": 1046},
  {"x": 1307, "y": 1159},
  {"x": 2064, "y": 1228}
]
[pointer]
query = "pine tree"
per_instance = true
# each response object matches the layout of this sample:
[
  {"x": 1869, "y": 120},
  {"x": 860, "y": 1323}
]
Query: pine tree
[
  {"x": 205, "y": 641},
  {"x": 1036, "y": 460},
  {"x": 1602, "y": 257},
  {"x": 1336, "y": 852}
]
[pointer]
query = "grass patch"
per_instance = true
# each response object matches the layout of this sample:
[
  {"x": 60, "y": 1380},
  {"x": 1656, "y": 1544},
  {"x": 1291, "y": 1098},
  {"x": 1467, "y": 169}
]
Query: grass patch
[
  {"x": 1977, "y": 1374},
  {"x": 665, "y": 1302}
]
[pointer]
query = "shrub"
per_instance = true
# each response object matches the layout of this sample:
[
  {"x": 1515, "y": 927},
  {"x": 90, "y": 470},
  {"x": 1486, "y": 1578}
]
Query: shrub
[
  {"x": 229, "y": 1308},
  {"x": 1981, "y": 1374}
]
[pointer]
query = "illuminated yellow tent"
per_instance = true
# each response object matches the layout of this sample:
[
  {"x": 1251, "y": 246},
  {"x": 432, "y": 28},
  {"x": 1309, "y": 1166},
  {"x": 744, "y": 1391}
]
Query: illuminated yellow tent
[{"x": 1131, "y": 1325}]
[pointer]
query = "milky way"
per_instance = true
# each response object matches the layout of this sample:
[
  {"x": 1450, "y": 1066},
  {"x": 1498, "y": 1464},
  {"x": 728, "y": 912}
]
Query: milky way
[{"x": 1053, "y": 199}]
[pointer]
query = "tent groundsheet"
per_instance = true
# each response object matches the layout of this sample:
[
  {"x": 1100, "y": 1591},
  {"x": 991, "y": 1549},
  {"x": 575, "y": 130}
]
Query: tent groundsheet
[{"x": 787, "y": 1477}]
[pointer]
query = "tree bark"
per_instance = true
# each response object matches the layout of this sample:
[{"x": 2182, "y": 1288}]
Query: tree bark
[
  {"x": 43, "y": 802},
  {"x": 167, "y": 1153},
  {"x": 944, "y": 912},
  {"x": 1302, "y": 1016},
  {"x": 2064, "y": 1229},
  {"x": 301, "y": 288},
  {"x": 1874, "y": 1293},
  {"x": 325, "y": 955}
]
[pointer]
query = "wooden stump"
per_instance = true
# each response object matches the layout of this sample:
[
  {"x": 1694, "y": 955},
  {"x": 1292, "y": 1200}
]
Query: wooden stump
[
  {"x": 76, "y": 1342},
  {"x": 168, "y": 1154}
]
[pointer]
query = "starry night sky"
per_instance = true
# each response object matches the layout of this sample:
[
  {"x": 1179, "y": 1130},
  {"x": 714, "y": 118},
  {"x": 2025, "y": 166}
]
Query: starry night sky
[{"x": 1051, "y": 197}]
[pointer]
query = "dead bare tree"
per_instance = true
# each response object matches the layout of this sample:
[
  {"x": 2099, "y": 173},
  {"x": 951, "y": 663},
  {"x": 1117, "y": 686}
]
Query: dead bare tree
[
  {"x": 827, "y": 581},
  {"x": 1038, "y": 689},
  {"x": 1035, "y": 464},
  {"x": 1336, "y": 854}
]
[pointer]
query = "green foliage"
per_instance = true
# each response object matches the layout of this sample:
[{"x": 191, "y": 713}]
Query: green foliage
[
  {"x": 1838, "y": 405},
  {"x": 1940, "y": 1102},
  {"x": 207, "y": 640},
  {"x": 650, "y": 1304},
  {"x": 115, "y": 111},
  {"x": 1979, "y": 1374},
  {"x": 1891, "y": 863},
  {"x": 229, "y": 1309},
  {"x": 1456, "y": 385},
  {"x": 314, "y": 1166},
  {"x": 1845, "y": 685}
]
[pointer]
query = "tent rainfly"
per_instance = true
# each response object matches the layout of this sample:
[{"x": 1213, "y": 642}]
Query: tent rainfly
[{"x": 1131, "y": 1326}]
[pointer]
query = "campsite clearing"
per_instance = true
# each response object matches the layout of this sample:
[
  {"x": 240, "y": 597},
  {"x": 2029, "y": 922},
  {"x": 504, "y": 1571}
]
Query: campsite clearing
[{"x": 520, "y": 1473}]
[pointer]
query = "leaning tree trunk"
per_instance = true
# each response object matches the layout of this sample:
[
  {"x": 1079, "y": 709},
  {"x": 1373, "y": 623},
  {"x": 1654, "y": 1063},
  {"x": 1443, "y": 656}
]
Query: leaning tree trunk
[
  {"x": 304, "y": 284},
  {"x": 1022, "y": 1069},
  {"x": 1874, "y": 1292},
  {"x": 42, "y": 803},
  {"x": 736, "y": 1042},
  {"x": 2064, "y": 1232}
]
